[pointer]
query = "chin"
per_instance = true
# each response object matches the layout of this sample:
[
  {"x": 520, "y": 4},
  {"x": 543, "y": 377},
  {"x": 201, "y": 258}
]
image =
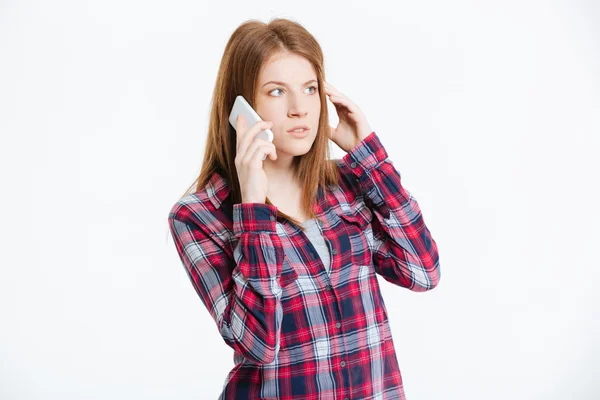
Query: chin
[
  {"x": 302, "y": 149},
  {"x": 299, "y": 148}
]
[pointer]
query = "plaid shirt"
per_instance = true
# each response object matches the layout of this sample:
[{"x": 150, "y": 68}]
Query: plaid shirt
[{"x": 298, "y": 332}]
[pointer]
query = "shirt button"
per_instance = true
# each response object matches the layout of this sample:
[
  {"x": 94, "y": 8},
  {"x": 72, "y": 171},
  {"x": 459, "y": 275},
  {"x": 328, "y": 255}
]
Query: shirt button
[
  {"x": 328, "y": 286},
  {"x": 353, "y": 165},
  {"x": 334, "y": 251},
  {"x": 272, "y": 218},
  {"x": 343, "y": 363},
  {"x": 338, "y": 325}
]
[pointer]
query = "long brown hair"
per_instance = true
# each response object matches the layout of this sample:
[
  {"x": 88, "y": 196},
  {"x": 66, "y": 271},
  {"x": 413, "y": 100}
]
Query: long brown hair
[{"x": 249, "y": 47}]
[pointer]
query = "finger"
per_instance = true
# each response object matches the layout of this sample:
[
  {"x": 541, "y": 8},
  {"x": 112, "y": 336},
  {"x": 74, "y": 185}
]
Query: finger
[
  {"x": 249, "y": 136},
  {"x": 240, "y": 128},
  {"x": 259, "y": 149},
  {"x": 331, "y": 131},
  {"x": 269, "y": 151},
  {"x": 344, "y": 102},
  {"x": 329, "y": 88}
]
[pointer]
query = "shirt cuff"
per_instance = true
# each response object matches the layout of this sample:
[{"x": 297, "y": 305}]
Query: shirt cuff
[
  {"x": 365, "y": 156},
  {"x": 254, "y": 217}
]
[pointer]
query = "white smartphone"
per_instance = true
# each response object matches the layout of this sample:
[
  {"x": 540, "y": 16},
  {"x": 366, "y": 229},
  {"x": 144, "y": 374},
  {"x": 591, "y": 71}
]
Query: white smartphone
[{"x": 241, "y": 106}]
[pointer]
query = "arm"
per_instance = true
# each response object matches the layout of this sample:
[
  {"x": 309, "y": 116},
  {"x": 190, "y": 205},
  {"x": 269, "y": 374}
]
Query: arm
[
  {"x": 404, "y": 252},
  {"x": 242, "y": 294}
]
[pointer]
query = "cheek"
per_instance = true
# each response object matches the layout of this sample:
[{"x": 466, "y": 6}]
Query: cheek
[
  {"x": 275, "y": 114},
  {"x": 267, "y": 110}
]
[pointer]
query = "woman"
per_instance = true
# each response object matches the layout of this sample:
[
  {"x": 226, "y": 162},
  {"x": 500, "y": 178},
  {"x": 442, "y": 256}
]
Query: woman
[{"x": 284, "y": 252}]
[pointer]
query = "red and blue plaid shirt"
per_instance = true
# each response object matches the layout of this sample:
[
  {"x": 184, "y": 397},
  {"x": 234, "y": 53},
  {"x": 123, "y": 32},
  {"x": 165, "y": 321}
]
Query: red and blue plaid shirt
[{"x": 297, "y": 331}]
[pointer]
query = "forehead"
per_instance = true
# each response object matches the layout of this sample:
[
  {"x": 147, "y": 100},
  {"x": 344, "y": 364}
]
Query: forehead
[{"x": 290, "y": 68}]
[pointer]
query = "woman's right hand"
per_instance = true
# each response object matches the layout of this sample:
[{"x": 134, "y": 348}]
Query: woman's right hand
[{"x": 249, "y": 160}]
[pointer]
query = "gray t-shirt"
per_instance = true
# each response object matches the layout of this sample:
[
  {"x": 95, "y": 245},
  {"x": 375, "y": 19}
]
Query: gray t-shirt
[{"x": 316, "y": 238}]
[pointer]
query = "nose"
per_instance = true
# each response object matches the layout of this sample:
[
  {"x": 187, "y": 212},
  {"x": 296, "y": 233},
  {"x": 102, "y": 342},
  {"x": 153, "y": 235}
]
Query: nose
[{"x": 297, "y": 106}]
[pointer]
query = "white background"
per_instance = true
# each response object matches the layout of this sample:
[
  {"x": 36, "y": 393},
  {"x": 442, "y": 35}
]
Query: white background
[{"x": 490, "y": 111}]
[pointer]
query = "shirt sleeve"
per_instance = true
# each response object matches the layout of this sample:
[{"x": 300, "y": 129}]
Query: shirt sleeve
[
  {"x": 243, "y": 293},
  {"x": 404, "y": 252}
]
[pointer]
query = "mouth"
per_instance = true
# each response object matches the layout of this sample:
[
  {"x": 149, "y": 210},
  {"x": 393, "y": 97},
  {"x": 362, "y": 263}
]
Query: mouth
[
  {"x": 299, "y": 130},
  {"x": 299, "y": 133}
]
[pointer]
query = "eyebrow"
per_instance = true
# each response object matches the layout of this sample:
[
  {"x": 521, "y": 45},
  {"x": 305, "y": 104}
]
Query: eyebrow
[{"x": 283, "y": 84}]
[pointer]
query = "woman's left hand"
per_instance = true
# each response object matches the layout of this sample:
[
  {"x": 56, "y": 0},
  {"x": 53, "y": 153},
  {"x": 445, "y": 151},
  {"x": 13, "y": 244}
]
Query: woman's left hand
[{"x": 352, "y": 127}]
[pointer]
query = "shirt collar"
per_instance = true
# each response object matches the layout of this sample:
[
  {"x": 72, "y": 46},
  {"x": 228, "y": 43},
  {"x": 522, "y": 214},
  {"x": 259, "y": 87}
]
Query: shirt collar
[{"x": 217, "y": 190}]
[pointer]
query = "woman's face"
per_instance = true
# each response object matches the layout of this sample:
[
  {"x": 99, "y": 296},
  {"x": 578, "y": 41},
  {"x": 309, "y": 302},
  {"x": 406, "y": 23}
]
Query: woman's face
[{"x": 293, "y": 100}]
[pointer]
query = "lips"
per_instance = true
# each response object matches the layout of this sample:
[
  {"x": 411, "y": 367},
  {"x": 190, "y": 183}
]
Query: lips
[{"x": 305, "y": 127}]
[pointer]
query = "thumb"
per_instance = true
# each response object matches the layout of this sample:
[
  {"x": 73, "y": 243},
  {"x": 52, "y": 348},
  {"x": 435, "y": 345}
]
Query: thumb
[{"x": 331, "y": 132}]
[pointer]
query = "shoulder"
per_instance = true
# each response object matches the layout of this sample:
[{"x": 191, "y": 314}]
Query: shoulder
[
  {"x": 205, "y": 204},
  {"x": 195, "y": 208},
  {"x": 198, "y": 213}
]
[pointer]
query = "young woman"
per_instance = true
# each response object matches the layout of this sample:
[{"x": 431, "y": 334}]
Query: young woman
[{"x": 284, "y": 252}]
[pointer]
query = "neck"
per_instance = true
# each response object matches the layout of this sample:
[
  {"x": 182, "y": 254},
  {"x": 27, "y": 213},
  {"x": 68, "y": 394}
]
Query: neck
[{"x": 279, "y": 172}]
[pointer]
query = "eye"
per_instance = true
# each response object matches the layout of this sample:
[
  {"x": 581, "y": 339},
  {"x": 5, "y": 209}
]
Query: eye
[{"x": 313, "y": 87}]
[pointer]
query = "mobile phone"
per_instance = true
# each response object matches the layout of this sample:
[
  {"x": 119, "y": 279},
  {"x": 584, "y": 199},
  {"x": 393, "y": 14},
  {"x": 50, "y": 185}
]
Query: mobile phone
[{"x": 241, "y": 106}]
